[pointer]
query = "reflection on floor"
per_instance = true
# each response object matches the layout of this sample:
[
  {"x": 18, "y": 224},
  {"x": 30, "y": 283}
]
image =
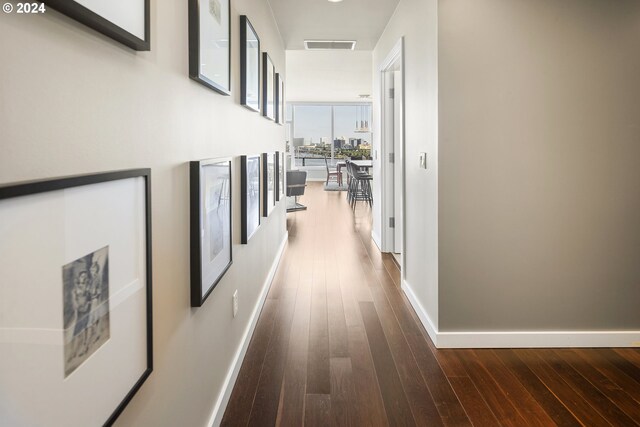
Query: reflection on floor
[{"x": 338, "y": 344}]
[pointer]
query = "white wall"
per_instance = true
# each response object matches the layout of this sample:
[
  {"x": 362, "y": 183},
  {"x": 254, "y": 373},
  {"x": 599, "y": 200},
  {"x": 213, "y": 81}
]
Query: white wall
[
  {"x": 328, "y": 75},
  {"x": 417, "y": 22},
  {"x": 73, "y": 101}
]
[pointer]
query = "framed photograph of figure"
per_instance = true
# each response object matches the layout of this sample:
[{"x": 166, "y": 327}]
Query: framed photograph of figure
[
  {"x": 75, "y": 268},
  {"x": 126, "y": 21},
  {"x": 280, "y": 99},
  {"x": 268, "y": 182},
  {"x": 268, "y": 87},
  {"x": 211, "y": 244},
  {"x": 210, "y": 44},
  {"x": 250, "y": 203},
  {"x": 280, "y": 175},
  {"x": 249, "y": 65}
]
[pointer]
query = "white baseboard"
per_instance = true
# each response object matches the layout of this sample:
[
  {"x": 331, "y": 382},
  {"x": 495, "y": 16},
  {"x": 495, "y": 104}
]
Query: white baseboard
[
  {"x": 538, "y": 339},
  {"x": 424, "y": 317},
  {"x": 519, "y": 339},
  {"x": 376, "y": 239},
  {"x": 232, "y": 375}
]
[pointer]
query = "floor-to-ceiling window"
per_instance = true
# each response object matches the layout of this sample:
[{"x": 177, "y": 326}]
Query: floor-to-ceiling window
[{"x": 334, "y": 131}]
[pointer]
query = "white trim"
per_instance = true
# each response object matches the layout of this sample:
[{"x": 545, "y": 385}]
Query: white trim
[
  {"x": 543, "y": 339},
  {"x": 376, "y": 239},
  {"x": 519, "y": 339},
  {"x": 421, "y": 312},
  {"x": 393, "y": 54},
  {"x": 232, "y": 374}
]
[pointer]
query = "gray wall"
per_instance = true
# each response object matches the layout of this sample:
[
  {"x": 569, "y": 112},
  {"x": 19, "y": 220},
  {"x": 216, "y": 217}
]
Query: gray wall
[
  {"x": 73, "y": 101},
  {"x": 539, "y": 191}
]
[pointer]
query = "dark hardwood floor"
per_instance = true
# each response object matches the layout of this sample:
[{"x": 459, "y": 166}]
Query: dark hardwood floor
[{"x": 337, "y": 343}]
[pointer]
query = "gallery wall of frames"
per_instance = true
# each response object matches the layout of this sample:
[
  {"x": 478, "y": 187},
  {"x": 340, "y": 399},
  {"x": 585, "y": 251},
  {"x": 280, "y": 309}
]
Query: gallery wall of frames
[{"x": 86, "y": 271}]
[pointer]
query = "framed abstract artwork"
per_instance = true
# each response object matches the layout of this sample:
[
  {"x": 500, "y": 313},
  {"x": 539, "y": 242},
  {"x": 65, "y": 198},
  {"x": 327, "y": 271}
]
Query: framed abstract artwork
[
  {"x": 250, "y": 203},
  {"x": 75, "y": 264},
  {"x": 268, "y": 182},
  {"x": 210, "y": 44},
  {"x": 268, "y": 87},
  {"x": 126, "y": 21},
  {"x": 249, "y": 65},
  {"x": 280, "y": 172},
  {"x": 280, "y": 105},
  {"x": 211, "y": 244}
]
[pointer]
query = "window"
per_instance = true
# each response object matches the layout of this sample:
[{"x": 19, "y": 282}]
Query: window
[{"x": 324, "y": 130}]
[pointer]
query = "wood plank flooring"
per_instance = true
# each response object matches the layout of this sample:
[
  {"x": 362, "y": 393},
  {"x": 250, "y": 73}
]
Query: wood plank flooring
[{"x": 337, "y": 344}]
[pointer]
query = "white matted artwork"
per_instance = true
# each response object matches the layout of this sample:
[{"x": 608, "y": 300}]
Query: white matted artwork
[
  {"x": 76, "y": 307},
  {"x": 268, "y": 87},
  {"x": 250, "y": 203},
  {"x": 211, "y": 248},
  {"x": 249, "y": 65},
  {"x": 280, "y": 158},
  {"x": 210, "y": 44},
  {"x": 126, "y": 21},
  {"x": 268, "y": 182}
]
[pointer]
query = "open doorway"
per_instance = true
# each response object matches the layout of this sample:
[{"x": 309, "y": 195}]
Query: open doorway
[{"x": 392, "y": 150}]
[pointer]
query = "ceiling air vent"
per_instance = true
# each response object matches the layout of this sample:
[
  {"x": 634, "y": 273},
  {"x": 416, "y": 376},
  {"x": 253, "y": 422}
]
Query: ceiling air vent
[{"x": 329, "y": 44}]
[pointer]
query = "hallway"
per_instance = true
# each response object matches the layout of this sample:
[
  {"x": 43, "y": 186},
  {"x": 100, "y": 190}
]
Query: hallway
[{"x": 338, "y": 344}]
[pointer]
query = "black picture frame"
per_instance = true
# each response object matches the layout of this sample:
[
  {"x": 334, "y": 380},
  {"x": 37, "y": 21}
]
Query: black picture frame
[
  {"x": 249, "y": 76},
  {"x": 268, "y": 183},
  {"x": 210, "y": 179},
  {"x": 55, "y": 195},
  {"x": 280, "y": 104},
  {"x": 102, "y": 25},
  {"x": 268, "y": 87},
  {"x": 250, "y": 197},
  {"x": 196, "y": 56}
]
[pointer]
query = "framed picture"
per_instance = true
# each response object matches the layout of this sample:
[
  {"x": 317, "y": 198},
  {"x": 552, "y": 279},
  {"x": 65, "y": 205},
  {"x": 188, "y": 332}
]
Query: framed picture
[
  {"x": 250, "y": 203},
  {"x": 268, "y": 182},
  {"x": 249, "y": 65},
  {"x": 211, "y": 251},
  {"x": 280, "y": 172},
  {"x": 280, "y": 119},
  {"x": 210, "y": 44},
  {"x": 268, "y": 87},
  {"x": 126, "y": 21},
  {"x": 76, "y": 312}
]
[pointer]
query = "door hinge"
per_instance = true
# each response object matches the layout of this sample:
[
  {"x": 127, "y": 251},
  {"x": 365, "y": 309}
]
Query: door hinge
[
  {"x": 392, "y": 93},
  {"x": 392, "y": 158},
  {"x": 392, "y": 222}
]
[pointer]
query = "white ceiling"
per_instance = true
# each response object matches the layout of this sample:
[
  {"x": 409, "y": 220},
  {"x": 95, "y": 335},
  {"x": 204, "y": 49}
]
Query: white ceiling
[{"x": 360, "y": 20}]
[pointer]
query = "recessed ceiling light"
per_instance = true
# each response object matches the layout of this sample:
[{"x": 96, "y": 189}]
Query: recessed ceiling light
[{"x": 335, "y": 1}]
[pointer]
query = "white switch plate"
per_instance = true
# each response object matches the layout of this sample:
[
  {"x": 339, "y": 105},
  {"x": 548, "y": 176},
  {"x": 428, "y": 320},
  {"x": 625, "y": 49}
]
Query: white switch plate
[
  {"x": 423, "y": 160},
  {"x": 235, "y": 303}
]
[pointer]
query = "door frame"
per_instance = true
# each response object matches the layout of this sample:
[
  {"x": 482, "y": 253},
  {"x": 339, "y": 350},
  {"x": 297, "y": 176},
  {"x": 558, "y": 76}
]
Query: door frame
[{"x": 394, "y": 58}]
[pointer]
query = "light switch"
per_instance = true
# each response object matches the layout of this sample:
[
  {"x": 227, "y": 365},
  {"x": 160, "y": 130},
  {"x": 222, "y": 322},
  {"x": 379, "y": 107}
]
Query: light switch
[{"x": 423, "y": 160}]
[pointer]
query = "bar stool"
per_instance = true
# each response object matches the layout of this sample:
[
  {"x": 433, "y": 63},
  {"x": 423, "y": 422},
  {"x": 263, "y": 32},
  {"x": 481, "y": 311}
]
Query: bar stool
[{"x": 359, "y": 185}]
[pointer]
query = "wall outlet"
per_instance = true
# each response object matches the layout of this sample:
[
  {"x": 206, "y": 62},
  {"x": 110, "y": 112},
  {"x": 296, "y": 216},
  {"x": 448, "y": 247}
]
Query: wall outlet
[{"x": 235, "y": 303}]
